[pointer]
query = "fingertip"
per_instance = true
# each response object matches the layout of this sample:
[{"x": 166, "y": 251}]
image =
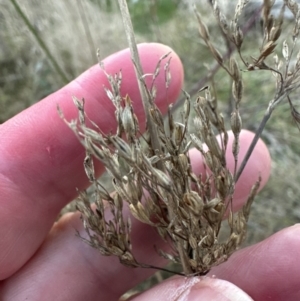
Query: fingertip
[
  {"x": 273, "y": 262},
  {"x": 194, "y": 288}
]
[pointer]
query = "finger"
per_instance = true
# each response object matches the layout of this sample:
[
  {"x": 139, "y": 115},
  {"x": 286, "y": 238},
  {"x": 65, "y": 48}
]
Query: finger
[
  {"x": 63, "y": 252},
  {"x": 66, "y": 268},
  {"x": 192, "y": 289},
  {"x": 259, "y": 164},
  {"x": 268, "y": 270},
  {"x": 41, "y": 159}
]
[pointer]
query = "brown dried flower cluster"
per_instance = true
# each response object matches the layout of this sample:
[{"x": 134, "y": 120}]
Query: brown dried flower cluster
[
  {"x": 152, "y": 174},
  {"x": 159, "y": 186}
]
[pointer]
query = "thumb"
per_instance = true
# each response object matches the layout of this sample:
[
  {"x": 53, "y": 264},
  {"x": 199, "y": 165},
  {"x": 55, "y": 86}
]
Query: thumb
[{"x": 194, "y": 288}]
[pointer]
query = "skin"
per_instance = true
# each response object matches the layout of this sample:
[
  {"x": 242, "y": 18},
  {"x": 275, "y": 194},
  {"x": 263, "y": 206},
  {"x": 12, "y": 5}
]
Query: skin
[{"x": 40, "y": 169}]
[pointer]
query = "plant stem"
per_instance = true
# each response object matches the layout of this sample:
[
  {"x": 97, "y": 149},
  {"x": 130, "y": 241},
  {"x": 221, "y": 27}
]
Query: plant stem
[
  {"x": 148, "y": 103},
  {"x": 40, "y": 42},
  {"x": 262, "y": 125},
  {"x": 87, "y": 30}
]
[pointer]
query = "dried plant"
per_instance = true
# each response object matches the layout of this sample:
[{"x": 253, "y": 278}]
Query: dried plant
[{"x": 151, "y": 173}]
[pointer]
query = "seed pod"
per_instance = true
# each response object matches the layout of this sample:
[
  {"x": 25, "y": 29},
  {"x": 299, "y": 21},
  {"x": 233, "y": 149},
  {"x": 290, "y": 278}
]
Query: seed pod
[
  {"x": 202, "y": 27},
  {"x": 118, "y": 201},
  {"x": 223, "y": 23},
  {"x": 215, "y": 53},
  {"x": 170, "y": 119},
  {"x": 193, "y": 242},
  {"x": 201, "y": 101},
  {"x": 94, "y": 135},
  {"x": 239, "y": 37},
  {"x": 187, "y": 106},
  {"x": 207, "y": 95},
  {"x": 153, "y": 92},
  {"x": 128, "y": 259},
  {"x": 128, "y": 119},
  {"x": 168, "y": 75},
  {"x": 194, "y": 202},
  {"x": 232, "y": 242},
  {"x": 237, "y": 90},
  {"x": 211, "y": 204},
  {"x": 120, "y": 191},
  {"x": 193, "y": 263},
  {"x": 183, "y": 162},
  {"x": 211, "y": 116},
  {"x": 132, "y": 192},
  {"x": 270, "y": 24},
  {"x": 197, "y": 143},
  {"x": 198, "y": 124},
  {"x": 139, "y": 213},
  {"x": 157, "y": 117},
  {"x": 178, "y": 134},
  {"x": 209, "y": 160},
  {"x": 122, "y": 147},
  {"x": 96, "y": 151},
  {"x": 89, "y": 168},
  {"x": 162, "y": 178},
  {"x": 275, "y": 33},
  {"x": 285, "y": 50},
  {"x": 236, "y": 122},
  {"x": 267, "y": 50},
  {"x": 234, "y": 69},
  {"x": 214, "y": 146}
]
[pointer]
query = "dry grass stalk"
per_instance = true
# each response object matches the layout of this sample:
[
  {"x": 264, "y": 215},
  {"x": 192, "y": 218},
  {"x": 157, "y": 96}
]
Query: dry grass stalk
[{"x": 152, "y": 174}]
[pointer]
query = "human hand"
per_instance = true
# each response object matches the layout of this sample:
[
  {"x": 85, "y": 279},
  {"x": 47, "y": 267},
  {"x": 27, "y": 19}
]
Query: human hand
[{"x": 40, "y": 169}]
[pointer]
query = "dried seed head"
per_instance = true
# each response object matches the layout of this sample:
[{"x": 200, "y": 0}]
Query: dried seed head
[
  {"x": 237, "y": 91},
  {"x": 214, "y": 146},
  {"x": 236, "y": 122},
  {"x": 238, "y": 37},
  {"x": 217, "y": 55},
  {"x": 183, "y": 162},
  {"x": 152, "y": 175},
  {"x": 285, "y": 50},
  {"x": 267, "y": 49},
  {"x": 128, "y": 119},
  {"x": 202, "y": 27},
  {"x": 178, "y": 133},
  {"x": 234, "y": 69},
  {"x": 194, "y": 202},
  {"x": 274, "y": 33}
]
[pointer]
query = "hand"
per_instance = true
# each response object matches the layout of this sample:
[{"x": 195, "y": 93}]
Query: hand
[{"x": 41, "y": 167}]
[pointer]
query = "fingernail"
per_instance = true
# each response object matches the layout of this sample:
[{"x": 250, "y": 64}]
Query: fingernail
[{"x": 208, "y": 289}]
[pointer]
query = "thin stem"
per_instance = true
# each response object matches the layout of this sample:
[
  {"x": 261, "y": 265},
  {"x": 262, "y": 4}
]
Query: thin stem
[
  {"x": 87, "y": 30},
  {"x": 253, "y": 143},
  {"x": 262, "y": 125},
  {"x": 148, "y": 103},
  {"x": 40, "y": 42}
]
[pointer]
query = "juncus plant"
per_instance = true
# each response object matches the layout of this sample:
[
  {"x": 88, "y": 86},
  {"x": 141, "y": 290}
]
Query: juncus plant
[{"x": 151, "y": 172}]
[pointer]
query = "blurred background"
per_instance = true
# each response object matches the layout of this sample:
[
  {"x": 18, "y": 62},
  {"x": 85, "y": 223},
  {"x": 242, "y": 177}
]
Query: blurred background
[{"x": 45, "y": 44}]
